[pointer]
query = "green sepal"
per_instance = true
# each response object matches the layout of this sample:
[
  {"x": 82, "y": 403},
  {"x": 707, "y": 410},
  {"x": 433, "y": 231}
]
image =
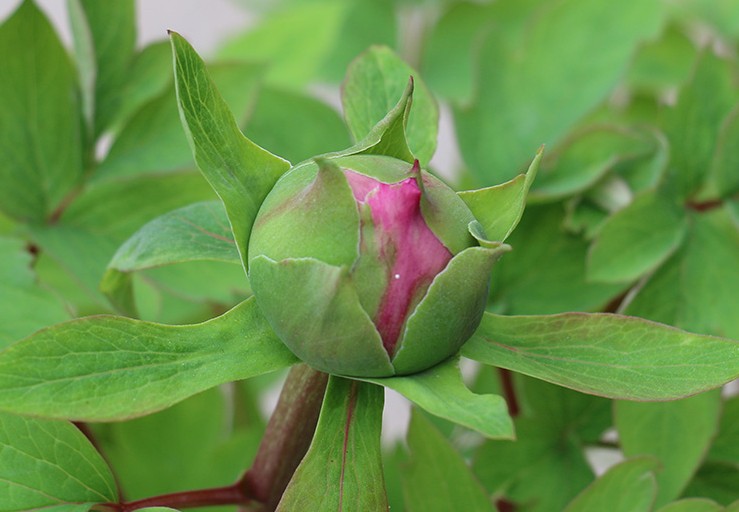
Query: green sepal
[
  {"x": 388, "y": 136},
  {"x": 343, "y": 467},
  {"x": 310, "y": 214},
  {"x": 499, "y": 208},
  {"x": 315, "y": 310},
  {"x": 241, "y": 172},
  {"x": 449, "y": 313}
]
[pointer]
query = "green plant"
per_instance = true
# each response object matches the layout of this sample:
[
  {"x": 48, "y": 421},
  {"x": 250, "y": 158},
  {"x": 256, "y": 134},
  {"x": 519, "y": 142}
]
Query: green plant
[{"x": 634, "y": 210}]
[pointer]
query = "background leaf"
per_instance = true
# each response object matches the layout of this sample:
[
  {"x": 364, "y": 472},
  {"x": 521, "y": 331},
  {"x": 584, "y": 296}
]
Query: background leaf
[
  {"x": 46, "y": 464},
  {"x": 374, "y": 82},
  {"x": 125, "y": 368},
  {"x": 676, "y": 433},
  {"x": 580, "y": 46},
  {"x": 40, "y": 119},
  {"x": 437, "y": 478},
  {"x": 608, "y": 355},
  {"x": 607, "y": 493}
]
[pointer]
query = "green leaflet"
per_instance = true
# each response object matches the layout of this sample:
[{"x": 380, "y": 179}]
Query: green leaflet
[
  {"x": 240, "y": 172},
  {"x": 40, "y": 120},
  {"x": 441, "y": 392},
  {"x": 676, "y": 433},
  {"x": 343, "y": 468},
  {"x": 607, "y": 493},
  {"x": 518, "y": 101},
  {"x": 125, "y": 368},
  {"x": 437, "y": 477},
  {"x": 50, "y": 465},
  {"x": 608, "y": 355}
]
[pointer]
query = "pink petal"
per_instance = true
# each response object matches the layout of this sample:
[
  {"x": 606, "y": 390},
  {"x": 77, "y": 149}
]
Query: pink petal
[{"x": 410, "y": 251}]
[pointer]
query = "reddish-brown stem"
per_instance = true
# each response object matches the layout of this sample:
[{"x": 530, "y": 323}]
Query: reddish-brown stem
[
  {"x": 285, "y": 442},
  {"x": 288, "y": 436},
  {"x": 704, "y": 205},
  {"x": 509, "y": 391},
  {"x": 505, "y": 506}
]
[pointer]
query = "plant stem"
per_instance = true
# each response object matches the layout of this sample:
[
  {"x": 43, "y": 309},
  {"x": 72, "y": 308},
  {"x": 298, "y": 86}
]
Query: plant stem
[
  {"x": 285, "y": 442},
  {"x": 288, "y": 436},
  {"x": 509, "y": 392}
]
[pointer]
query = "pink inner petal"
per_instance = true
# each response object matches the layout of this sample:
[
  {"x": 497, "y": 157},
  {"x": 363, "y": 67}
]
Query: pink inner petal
[{"x": 412, "y": 254}]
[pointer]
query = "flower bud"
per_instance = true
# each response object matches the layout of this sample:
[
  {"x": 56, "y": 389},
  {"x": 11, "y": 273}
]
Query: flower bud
[{"x": 367, "y": 266}]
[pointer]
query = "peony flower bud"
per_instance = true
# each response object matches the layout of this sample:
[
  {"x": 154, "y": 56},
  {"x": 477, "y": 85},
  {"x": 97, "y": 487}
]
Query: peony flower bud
[{"x": 367, "y": 266}]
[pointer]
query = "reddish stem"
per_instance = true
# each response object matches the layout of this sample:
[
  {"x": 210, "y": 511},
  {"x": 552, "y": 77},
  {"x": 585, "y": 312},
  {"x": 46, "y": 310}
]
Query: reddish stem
[
  {"x": 285, "y": 442},
  {"x": 509, "y": 391},
  {"x": 704, "y": 205}
]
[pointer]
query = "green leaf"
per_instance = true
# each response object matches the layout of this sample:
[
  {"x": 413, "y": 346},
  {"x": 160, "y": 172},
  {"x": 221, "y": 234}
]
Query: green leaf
[
  {"x": 500, "y": 208},
  {"x": 693, "y": 126},
  {"x": 725, "y": 160},
  {"x": 724, "y": 447},
  {"x": 676, "y": 433},
  {"x": 518, "y": 102},
  {"x": 240, "y": 172},
  {"x": 440, "y": 391},
  {"x": 124, "y": 368},
  {"x": 734, "y": 507},
  {"x": 41, "y": 145},
  {"x": 637, "y": 239},
  {"x": 692, "y": 505},
  {"x": 25, "y": 304},
  {"x": 715, "y": 480},
  {"x": 104, "y": 51},
  {"x": 374, "y": 82},
  {"x": 343, "y": 467},
  {"x": 542, "y": 471},
  {"x": 664, "y": 63},
  {"x": 609, "y": 355},
  {"x": 295, "y": 125},
  {"x": 607, "y": 493},
  {"x": 294, "y": 41},
  {"x": 437, "y": 477},
  {"x": 49, "y": 464},
  {"x": 546, "y": 271},
  {"x": 196, "y": 232},
  {"x": 696, "y": 288}
]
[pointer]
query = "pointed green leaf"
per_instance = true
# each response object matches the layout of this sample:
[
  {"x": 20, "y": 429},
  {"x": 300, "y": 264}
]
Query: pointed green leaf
[
  {"x": 374, "y": 80},
  {"x": 437, "y": 477},
  {"x": 518, "y": 102},
  {"x": 51, "y": 466},
  {"x": 544, "y": 467},
  {"x": 692, "y": 505},
  {"x": 196, "y": 232},
  {"x": 25, "y": 305},
  {"x": 609, "y": 355},
  {"x": 694, "y": 124},
  {"x": 661, "y": 430},
  {"x": 726, "y": 157},
  {"x": 40, "y": 120},
  {"x": 499, "y": 208},
  {"x": 718, "y": 481},
  {"x": 105, "y": 51},
  {"x": 111, "y": 368},
  {"x": 529, "y": 283},
  {"x": 725, "y": 447},
  {"x": 240, "y": 172},
  {"x": 343, "y": 467},
  {"x": 608, "y": 492},
  {"x": 637, "y": 239},
  {"x": 696, "y": 288},
  {"x": 441, "y": 392}
]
